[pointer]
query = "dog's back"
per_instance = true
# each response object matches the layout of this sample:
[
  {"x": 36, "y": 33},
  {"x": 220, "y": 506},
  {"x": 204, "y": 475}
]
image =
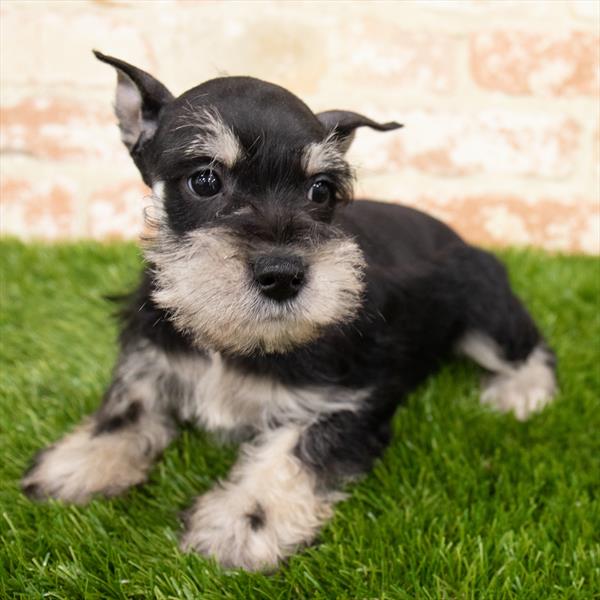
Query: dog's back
[{"x": 395, "y": 236}]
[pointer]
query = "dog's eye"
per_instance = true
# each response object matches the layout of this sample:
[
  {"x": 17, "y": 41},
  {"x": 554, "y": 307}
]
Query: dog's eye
[
  {"x": 320, "y": 192},
  {"x": 205, "y": 182}
]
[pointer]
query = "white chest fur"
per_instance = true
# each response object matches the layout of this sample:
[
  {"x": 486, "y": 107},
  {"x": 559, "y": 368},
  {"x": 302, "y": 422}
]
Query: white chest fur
[{"x": 221, "y": 398}]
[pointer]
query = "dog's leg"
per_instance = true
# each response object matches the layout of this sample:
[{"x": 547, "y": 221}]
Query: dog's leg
[
  {"x": 501, "y": 336},
  {"x": 113, "y": 449},
  {"x": 281, "y": 491},
  {"x": 269, "y": 505}
]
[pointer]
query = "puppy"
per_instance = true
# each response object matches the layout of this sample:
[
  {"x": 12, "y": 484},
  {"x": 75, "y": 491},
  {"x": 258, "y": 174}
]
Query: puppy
[{"x": 274, "y": 310}]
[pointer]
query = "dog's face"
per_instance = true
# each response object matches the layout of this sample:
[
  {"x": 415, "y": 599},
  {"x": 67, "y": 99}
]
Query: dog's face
[{"x": 246, "y": 256}]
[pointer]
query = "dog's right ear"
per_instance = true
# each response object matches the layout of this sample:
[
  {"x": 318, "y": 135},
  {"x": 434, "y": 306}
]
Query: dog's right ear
[{"x": 138, "y": 102}]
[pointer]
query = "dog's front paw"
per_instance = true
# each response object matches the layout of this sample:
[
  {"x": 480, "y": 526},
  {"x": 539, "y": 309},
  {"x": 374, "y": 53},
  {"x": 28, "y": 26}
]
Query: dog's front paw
[
  {"x": 267, "y": 509},
  {"x": 524, "y": 390},
  {"x": 82, "y": 465},
  {"x": 234, "y": 530}
]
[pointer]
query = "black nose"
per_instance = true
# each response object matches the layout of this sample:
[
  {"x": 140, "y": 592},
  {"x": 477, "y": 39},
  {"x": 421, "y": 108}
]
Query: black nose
[{"x": 279, "y": 278}]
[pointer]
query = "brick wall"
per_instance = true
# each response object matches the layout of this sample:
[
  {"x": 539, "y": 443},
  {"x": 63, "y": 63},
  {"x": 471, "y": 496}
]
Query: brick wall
[{"x": 499, "y": 99}]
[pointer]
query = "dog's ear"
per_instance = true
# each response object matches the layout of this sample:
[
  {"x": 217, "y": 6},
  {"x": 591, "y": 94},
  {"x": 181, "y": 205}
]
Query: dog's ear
[
  {"x": 138, "y": 102},
  {"x": 343, "y": 124}
]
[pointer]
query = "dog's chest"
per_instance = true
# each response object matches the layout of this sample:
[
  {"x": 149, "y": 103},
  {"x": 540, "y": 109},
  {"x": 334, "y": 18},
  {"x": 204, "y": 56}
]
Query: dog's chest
[{"x": 221, "y": 398}]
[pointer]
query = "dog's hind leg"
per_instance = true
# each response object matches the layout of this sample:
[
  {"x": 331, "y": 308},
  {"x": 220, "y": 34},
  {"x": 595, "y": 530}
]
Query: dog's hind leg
[
  {"x": 113, "y": 449},
  {"x": 500, "y": 335}
]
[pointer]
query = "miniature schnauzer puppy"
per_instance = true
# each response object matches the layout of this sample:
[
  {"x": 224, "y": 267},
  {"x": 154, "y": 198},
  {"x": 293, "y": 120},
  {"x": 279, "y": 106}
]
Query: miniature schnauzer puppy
[{"x": 275, "y": 309}]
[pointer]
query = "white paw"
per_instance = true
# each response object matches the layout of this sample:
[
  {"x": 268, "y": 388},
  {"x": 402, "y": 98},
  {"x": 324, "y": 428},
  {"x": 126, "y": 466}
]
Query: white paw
[
  {"x": 233, "y": 529},
  {"x": 267, "y": 509},
  {"x": 524, "y": 390},
  {"x": 82, "y": 465}
]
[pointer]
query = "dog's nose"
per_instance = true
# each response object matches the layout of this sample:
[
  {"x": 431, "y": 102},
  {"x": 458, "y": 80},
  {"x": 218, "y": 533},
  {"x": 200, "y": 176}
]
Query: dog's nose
[{"x": 279, "y": 278}]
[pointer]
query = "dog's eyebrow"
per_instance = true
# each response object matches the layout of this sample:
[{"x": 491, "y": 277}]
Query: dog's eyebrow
[
  {"x": 214, "y": 138},
  {"x": 325, "y": 155}
]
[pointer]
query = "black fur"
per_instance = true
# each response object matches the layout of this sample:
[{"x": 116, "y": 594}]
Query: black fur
[
  {"x": 113, "y": 423},
  {"x": 424, "y": 287},
  {"x": 257, "y": 518}
]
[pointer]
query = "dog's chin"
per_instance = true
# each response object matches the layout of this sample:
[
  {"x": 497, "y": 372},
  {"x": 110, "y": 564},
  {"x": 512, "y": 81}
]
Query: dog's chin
[
  {"x": 203, "y": 282},
  {"x": 272, "y": 329},
  {"x": 277, "y": 335}
]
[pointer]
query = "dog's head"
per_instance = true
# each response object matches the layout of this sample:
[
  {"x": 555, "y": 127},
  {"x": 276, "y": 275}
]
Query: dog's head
[{"x": 246, "y": 256}]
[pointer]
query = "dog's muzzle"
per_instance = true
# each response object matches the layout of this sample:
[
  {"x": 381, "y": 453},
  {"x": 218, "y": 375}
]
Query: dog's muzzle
[
  {"x": 279, "y": 278},
  {"x": 233, "y": 297}
]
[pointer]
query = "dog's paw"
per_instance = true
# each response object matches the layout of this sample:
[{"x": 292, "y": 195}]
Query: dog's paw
[
  {"x": 232, "y": 530},
  {"x": 269, "y": 507},
  {"x": 524, "y": 390},
  {"x": 82, "y": 465}
]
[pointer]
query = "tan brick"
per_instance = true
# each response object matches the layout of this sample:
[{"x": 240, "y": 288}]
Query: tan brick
[
  {"x": 452, "y": 6},
  {"x": 517, "y": 62},
  {"x": 502, "y": 173},
  {"x": 51, "y": 42},
  {"x": 374, "y": 52},
  {"x": 596, "y": 157},
  {"x": 42, "y": 210},
  {"x": 58, "y": 129},
  {"x": 499, "y": 220},
  {"x": 245, "y": 42},
  {"x": 304, "y": 46},
  {"x": 586, "y": 9},
  {"x": 491, "y": 141},
  {"x": 477, "y": 14},
  {"x": 117, "y": 211}
]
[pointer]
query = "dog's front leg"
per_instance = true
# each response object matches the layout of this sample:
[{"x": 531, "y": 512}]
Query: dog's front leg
[
  {"x": 113, "y": 449},
  {"x": 281, "y": 491},
  {"x": 270, "y": 505}
]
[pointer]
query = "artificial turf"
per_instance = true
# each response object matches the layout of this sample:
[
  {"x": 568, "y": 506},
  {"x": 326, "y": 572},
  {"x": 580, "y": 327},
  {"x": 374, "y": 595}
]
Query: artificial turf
[{"x": 464, "y": 504}]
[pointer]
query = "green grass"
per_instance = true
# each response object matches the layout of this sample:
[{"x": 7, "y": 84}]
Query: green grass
[{"x": 464, "y": 504}]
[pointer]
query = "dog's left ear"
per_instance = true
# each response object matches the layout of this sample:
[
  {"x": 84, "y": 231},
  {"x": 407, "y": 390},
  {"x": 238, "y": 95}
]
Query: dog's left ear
[
  {"x": 138, "y": 102},
  {"x": 343, "y": 124}
]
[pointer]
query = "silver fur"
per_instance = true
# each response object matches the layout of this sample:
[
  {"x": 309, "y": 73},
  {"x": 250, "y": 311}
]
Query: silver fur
[
  {"x": 213, "y": 140},
  {"x": 325, "y": 155},
  {"x": 203, "y": 280},
  {"x": 224, "y": 400},
  {"x": 83, "y": 464},
  {"x": 524, "y": 389},
  {"x": 267, "y": 478}
]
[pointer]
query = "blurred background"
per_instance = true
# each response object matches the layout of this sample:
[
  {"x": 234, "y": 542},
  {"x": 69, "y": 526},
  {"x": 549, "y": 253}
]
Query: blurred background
[{"x": 500, "y": 101}]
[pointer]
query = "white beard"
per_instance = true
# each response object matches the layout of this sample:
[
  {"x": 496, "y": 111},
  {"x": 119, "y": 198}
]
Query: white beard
[{"x": 204, "y": 281}]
